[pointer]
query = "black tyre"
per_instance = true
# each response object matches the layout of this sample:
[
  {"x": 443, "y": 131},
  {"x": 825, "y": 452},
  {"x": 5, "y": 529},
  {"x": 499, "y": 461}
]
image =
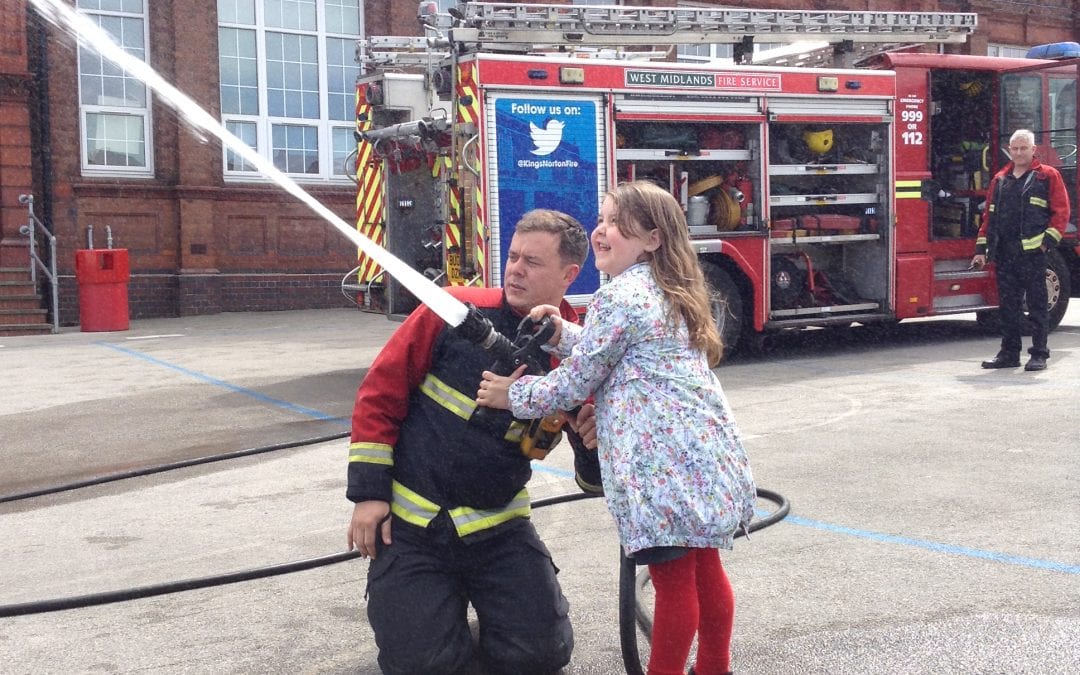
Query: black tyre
[
  {"x": 755, "y": 343},
  {"x": 727, "y": 305},
  {"x": 1057, "y": 287},
  {"x": 989, "y": 320}
]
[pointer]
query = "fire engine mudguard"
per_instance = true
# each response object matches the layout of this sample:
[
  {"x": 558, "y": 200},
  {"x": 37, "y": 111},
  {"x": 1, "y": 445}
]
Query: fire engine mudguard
[
  {"x": 1058, "y": 289},
  {"x": 727, "y": 305}
]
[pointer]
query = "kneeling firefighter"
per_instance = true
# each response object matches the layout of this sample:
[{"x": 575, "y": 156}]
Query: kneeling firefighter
[{"x": 440, "y": 501}]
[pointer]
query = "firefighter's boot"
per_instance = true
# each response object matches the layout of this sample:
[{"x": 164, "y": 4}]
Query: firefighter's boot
[{"x": 1003, "y": 360}]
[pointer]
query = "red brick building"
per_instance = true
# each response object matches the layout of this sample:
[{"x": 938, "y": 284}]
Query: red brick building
[{"x": 205, "y": 232}]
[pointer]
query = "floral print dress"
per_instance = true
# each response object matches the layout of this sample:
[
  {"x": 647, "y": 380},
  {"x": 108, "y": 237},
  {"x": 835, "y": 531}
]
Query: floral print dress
[{"x": 674, "y": 469}]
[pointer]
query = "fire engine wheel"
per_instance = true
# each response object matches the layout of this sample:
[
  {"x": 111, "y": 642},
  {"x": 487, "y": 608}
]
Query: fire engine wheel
[
  {"x": 1058, "y": 289},
  {"x": 989, "y": 321},
  {"x": 727, "y": 305}
]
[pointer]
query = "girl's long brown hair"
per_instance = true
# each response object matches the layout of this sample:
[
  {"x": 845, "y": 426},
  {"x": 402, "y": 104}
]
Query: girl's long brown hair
[{"x": 641, "y": 206}]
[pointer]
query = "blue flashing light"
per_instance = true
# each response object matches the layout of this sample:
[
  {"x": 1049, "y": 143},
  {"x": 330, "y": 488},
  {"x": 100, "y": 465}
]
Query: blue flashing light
[{"x": 1055, "y": 50}]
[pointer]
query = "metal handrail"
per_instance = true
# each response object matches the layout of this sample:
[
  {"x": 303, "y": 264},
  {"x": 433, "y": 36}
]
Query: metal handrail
[
  {"x": 30, "y": 230},
  {"x": 346, "y": 286},
  {"x": 364, "y": 288}
]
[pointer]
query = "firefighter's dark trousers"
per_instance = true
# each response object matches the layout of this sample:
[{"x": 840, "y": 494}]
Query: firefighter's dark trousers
[
  {"x": 420, "y": 586},
  {"x": 1017, "y": 276}
]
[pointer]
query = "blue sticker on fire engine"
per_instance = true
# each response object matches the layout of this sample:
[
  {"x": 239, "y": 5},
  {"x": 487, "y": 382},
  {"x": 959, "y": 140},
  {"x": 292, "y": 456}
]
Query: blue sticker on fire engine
[{"x": 547, "y": 159}]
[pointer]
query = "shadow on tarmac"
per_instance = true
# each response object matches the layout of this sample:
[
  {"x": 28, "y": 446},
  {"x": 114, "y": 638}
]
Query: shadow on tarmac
[{"x": 856, "y": 339}]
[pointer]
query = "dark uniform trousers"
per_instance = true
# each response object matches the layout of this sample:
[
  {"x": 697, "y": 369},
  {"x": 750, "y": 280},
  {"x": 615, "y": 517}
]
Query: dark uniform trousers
[
  {"x": 419, "y": 588},
  {"x": 1019, "y": 275}
]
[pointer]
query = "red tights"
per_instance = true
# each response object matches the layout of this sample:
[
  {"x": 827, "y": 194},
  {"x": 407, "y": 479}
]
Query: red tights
[{"x": 693, "y": 595}]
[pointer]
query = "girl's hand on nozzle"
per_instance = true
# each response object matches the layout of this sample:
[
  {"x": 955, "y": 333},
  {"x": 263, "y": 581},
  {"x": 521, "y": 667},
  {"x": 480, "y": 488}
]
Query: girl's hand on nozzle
[
  {"x": 494, "y": 389},
  {"x": 538, "y": 313},
  {"x": 584, "y": 424}
]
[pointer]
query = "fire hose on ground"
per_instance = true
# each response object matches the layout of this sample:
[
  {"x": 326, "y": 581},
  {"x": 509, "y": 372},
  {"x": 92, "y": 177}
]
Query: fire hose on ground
[
  {"x": 632, "y": 615},
  {"x": 524, "y": 349}
]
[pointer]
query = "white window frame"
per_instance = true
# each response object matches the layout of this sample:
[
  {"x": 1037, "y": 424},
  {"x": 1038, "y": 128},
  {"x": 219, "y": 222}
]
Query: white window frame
[
  {"x": 1014, "y": 51},
  {"x": 265, "y": 123},
  {"x": 719, "y": 54},
  {"x": 142, "y": 113}
]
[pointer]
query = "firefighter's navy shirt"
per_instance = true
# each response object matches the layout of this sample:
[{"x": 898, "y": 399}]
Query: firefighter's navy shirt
[{"x": 1010, "y": 205}]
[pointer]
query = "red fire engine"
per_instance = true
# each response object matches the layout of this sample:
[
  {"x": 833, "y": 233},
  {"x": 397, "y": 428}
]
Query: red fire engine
[{"x": 814, "y": 196}]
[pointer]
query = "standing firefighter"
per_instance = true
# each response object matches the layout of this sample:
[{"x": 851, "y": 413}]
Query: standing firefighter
[
  {"x": 1026, "y": 212},
  {"x": 441, "y": 506}
]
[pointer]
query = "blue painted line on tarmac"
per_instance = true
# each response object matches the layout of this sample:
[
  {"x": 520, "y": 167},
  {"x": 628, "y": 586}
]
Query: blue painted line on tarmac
[
  {"x": 888, "y": 538},
  {"x": 262, "y": 398},
  {"x": 555, "y": 471},
  {"x": 936, "y": 547},
  {"x": 1035, "y": 563}
]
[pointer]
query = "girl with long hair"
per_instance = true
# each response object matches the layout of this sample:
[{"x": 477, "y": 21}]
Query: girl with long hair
[{"x": 675, "y": 474}]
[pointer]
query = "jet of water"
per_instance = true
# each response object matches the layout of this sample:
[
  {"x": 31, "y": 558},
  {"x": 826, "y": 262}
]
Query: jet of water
[{"x": 90, "y": 35}]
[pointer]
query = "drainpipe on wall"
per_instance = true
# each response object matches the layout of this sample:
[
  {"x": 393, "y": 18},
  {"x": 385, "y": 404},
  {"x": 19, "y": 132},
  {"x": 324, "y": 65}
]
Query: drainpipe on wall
[{"x": 38, "y": 34}]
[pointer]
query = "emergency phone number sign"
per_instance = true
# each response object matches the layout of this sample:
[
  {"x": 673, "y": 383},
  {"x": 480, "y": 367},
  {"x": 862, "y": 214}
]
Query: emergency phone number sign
[
  {"x": 690, "y": 79},
  {"x": 912, "y": 119}
]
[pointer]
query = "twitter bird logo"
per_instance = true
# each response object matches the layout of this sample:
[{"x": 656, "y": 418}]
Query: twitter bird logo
[{"x": 548, "y": 138}]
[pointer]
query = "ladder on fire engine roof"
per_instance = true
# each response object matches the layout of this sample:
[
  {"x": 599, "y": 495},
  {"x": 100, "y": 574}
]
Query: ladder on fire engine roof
[
  {"x": 489, "y": 24},
  {"x": 476, "y": 26}
]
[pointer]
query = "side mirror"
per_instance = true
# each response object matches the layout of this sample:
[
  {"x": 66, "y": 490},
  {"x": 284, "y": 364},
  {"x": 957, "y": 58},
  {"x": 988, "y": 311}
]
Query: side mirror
[{"x": 933, "y": 192}]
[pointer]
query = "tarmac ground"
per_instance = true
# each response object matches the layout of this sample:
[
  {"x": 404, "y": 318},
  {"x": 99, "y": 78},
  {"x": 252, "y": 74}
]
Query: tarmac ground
[{"x": 934, "y": 526}]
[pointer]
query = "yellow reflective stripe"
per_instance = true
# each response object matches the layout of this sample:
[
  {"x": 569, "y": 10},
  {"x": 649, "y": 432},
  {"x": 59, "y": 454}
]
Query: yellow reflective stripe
[
  {"x": 448, "y": 397},
  {"x": 912, "y": 189},
  {"x": 402, "y": 512},
  {"x": 414, "y": 509},
  {"x": 1032, "y": 243},
  {"x": 372, "y": 453},
  {"x": 515, "y": 432},
  {"x": 1054, "y": 234},
  {"x": 470, "y": 521},
  {"x": 992, "y": 207},
  {"x": 1040, "y": 202},
  {"x": 411, "y": 507},
  {"x": 981, "y": 241}
]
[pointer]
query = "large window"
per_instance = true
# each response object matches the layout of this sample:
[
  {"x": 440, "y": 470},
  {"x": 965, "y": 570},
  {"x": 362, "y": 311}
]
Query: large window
[
  {"x": 288, "y": 78},
  {"x": 1006, "y": 50},
  {"x": 724, "y": 54},
  {"x": 114, "y": 108}
]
